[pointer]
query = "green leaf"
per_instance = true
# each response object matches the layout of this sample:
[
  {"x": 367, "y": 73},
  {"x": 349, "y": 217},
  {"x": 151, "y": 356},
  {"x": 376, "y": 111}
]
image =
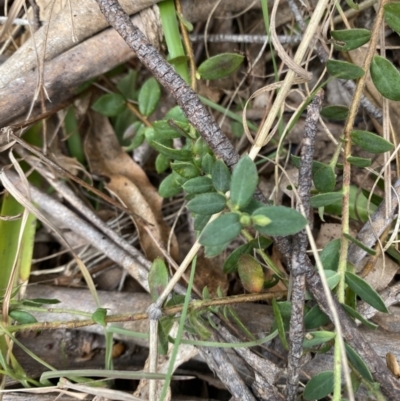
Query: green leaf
[
  {"x": 359, "y": 209},
  {"x": 332, "y": 278},
  {"x": 350, "y": 39},
  {"x": 251, "y": 273},
  {"x": 244, "y": 182},
  {"x": 198, "y": 185},
  {"x": 279, "y": 323},
  {"x": 370, "y": 142},
  {"x": 392, "y": 15},
  {"x": 316, "y": 167},
  {"x": 324, "y": 178},
  {"x": 169, "y": 187},
  {"x": 325, "y": 199},
  {"x": 99, "y": 316},
  {"x": 335, "y": 113},
  {"x": 330, "y": 255},
  {"x": 221, "y": 176},
  {"x": 164, "y": 327},
  {"x": 162, "y": 163},
  {"x": 356, "y": 315},
  {"x": 365, "y": 292},
  {"x": 360, "y": 244},
  {"x": 319, "y": 386},
  {"x": 359, "y": 161},
  {"x": 315, "y": 318},
  {"x": 127, "y": 84},
  {"x": 207, "y": 163},
  {"x": 22, "y": 317},
  {"x": 314, "y": 338},
  {"x": 344, "y": 70},
  {"x": 231, "y": 263},
  {"x": 163, "y": 130},
  {"x": 200, "y": 221},
  {"x": 45, "y": 301},
  {"x": 185, "y": 170},
  {"x": 358, "y": 364},
  {"x": 284, "y": 221},
  {"x": 209, "y": 203},
  {"x": 386, "y": 78},
  {"x": 171, "y": 153},
  {"x": 110, "y": 105},
  {"x": 352, "y": 5},
  {"x": 158, "y": 278},
  {"x": 149, "y": 96},
  {"x": 220, "y": 66},
  {"x": 213, "y": 250},
  {"x": 177, "y": 115},
  {"x": 222, "y": 230}
]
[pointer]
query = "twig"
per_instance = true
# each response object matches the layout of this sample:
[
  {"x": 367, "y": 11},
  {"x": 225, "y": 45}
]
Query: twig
[
  {"x": 219, "y": 363},
  {"x": 66, "y": 218},
  {"x": 344, "y": 243},
  {"x": 222, "y": 38},
  {"x": 265, "y": 368},
  {"x": 300, "y": 243}
]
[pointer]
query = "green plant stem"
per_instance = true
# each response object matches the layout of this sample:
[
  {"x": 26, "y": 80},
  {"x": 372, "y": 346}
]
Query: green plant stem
[
  {"x": 170, "y": 25},
  {"x": 119, "y": 318},
  {"x": 180, "y": 331},
  {"x": 347, "y": 152}
]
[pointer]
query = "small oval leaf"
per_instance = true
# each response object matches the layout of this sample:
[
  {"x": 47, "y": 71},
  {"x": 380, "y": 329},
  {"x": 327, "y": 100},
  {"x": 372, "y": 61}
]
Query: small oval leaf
[
  {"x": 169, "y": 187},
  {"x": 335, "y": 113},
  {"x": 109, "y": 105},
  {"x": 325, "y": 199},
  {"x": 365, "y": 292},
  {"x": 198, "y": 185},
  {"x": 386, "y": 78},
  {"x": 359, "y": 161},
  {"x": 209, "y": 203},
  {"x": 99, "y": 316},
  {"x": 350, "y": 39},
  {"x": 244, "y": 182},
  {"x": 315, "y": 318},
  {"x": 185, "y": 170},
  {"x": 251, "y": 273},
  {"x": 149, "y": 96},
  {"x": 221, "y": 176},
  {"x": 22, "y": 317},
  {"x": 324, "y": 178},
  {"x": 344, "y": 70},
  {"x": 158, "y": 278},
  {"x": 222, "y": 230},
  {"x": 392, "y": 15},
  {"x": 319, "y": 386},
  {"x": 279, "y": 323},
  {"x": 330, "y": 255},
  {"x": 370, "y": 142},
  {"x": 284, "y": 221},
  {"x": 314, "y": 338},
  {"x": 220, "y": 66},
  {"x": 358, "y": 364}
]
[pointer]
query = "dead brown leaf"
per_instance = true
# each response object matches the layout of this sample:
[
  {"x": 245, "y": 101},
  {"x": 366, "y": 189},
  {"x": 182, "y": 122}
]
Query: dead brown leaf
[{"x": 128, "y": 182}]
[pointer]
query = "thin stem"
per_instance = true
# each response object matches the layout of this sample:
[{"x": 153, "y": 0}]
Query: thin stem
[{"x": 347, "y": 152}]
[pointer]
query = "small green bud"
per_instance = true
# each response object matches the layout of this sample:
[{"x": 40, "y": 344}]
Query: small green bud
[
  {"x": 260, "y": 220},
  {"x": 245, "y": 220}
]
